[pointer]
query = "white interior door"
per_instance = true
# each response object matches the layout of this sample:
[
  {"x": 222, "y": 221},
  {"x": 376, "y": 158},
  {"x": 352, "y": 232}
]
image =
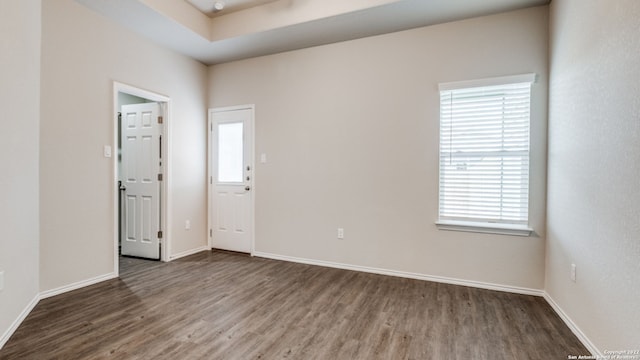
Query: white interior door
[
  {"x": 231, "y": 152},
  {"x": 141, "y": 169}
]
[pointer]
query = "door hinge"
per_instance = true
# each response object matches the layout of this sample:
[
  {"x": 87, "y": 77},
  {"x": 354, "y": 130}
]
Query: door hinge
[
  {"x": 159, "y": 234},
  {"x": 210, "y": 232},
  {"x": 160, "y": 119},
  {"x": 159, "y": 177}
]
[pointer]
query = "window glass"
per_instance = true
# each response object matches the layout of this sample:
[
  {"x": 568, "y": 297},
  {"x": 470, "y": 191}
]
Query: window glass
[
  {"x": 484, "y": 153},
  {"x": 230, "y": 152}
]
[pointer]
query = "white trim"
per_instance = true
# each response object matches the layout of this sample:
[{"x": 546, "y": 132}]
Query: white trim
[
  {"x": 209, "y": 178},
  {"x": 486, "y": 228},
  {"x": 167, "y": 194},
  {"x": 16, "y": 323},
  {"x": 502, "y": 80},
  {"x": 189, "y": 252},
  {"x": 447, "y": 280},
  {"x": 47, "y": 294},
  {"x": 165, "y": 205},
  {"x": 403, "y": 274},
  {"x": 77, "y": 285},
  {"x": 477, "y": 284},
  {"x": 210, "y": 189},
  {"x": 139, "y": 92},
  {"x": 210, "y": 185},
  {"x": 573, "y": 327}
]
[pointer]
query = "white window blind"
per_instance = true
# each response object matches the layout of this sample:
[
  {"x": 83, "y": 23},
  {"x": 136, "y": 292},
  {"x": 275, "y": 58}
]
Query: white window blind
[{"x": 484, "y": 150}]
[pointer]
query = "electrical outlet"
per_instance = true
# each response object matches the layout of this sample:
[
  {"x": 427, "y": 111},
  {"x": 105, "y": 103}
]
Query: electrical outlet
[
  {"x": 1, "y": 280},
  {"x": 187, "y": 225},
  {"x": 340, "y": 233},
  {"x": 573, "y": 272}
]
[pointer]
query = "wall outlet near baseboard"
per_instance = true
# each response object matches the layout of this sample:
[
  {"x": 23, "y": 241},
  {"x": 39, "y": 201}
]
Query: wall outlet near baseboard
[
  {"x": 573, "y": 272},
  {"x": 340, "y": 233}
]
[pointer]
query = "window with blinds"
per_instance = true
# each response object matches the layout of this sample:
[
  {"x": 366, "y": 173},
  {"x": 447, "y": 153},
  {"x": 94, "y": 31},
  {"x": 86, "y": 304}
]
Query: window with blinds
[{"x": 484, "y": 151}]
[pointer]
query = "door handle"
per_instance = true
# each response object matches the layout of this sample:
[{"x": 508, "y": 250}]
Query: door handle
[{"x": 247, "y": 188}]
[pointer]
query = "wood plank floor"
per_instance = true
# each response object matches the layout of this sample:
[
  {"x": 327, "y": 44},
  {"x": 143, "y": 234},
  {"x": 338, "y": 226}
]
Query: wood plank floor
[{"x": 218, "y": 305}]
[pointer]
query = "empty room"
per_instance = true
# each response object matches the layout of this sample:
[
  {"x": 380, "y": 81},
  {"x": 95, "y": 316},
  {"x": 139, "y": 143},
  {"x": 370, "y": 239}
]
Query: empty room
[{"x": 320, "y": 179}]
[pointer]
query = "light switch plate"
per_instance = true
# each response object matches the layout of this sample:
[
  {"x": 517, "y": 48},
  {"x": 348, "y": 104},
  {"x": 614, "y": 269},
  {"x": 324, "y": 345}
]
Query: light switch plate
[
  {"x": 107, "y": 151},
  {"x": 263, "y": 158}
]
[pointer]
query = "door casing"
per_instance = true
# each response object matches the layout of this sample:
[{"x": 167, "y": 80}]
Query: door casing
[
  {"x": 211, "y": 171},
  {"x": 165, "y": 109}
]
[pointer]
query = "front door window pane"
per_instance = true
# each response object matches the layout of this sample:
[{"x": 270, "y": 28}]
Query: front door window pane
[{"x": 230, "y": 152}]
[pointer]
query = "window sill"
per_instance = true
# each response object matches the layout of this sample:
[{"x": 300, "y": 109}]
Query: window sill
[{"x": 487, "y": 228}]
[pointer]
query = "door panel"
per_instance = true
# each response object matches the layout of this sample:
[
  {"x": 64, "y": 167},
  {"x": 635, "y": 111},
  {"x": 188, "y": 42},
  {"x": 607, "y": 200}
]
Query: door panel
[
  {"x": 222, "y": 222},
  {"x": 141, "y": 166},
  {"x": 232, "y": 179},
  {"x": 147, "y": 163},
  {"x": 130, "y": 225},
  {"x": 148, "y": 214}
]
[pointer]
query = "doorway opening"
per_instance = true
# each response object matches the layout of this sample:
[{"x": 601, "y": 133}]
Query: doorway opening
[{"x": 141, "y": 168}]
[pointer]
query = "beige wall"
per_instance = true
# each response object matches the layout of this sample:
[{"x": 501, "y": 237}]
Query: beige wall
[
  {"x": 594, "y": 163},
  {"x": 82, "y": 54},
  {"x": 20, "y": 104},
  {"x": 351, "y": 135}
]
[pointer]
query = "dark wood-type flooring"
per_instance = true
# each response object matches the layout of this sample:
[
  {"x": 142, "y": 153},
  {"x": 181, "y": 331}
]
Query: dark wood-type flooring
[{"x": 218, "y": 305}]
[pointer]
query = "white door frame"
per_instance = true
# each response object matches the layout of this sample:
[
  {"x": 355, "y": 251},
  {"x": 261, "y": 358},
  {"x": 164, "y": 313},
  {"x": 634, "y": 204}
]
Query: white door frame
[
  {"x": 211, "y": 167},
  {"x": 165, "y": 201}
]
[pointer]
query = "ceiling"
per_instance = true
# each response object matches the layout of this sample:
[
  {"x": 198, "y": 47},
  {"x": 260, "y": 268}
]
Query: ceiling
[
  {"x": 262, "y": 27},
  {"x": 207, "y": 6}
]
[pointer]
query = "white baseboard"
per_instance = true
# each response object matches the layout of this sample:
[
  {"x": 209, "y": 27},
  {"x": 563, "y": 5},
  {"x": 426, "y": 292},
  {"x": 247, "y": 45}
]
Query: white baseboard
[
  {"x": 574, "y": 328},
  {"x": 77, "y": 285},
  {"x": 188, "y": 252},
  {"x": 23, "y": 315},
  {"x": 403, "y": 274},
  {"x": 477, "y": 284},
  {"x": 49, "y": 293}
]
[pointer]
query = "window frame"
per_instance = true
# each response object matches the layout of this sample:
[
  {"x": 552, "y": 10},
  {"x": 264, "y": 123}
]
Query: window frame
[{"x": 474, "y": 225}]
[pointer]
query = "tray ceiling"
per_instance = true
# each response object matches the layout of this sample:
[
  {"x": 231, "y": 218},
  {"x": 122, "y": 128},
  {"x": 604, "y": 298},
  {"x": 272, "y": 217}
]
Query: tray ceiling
[{"x": 250, "y": 28}]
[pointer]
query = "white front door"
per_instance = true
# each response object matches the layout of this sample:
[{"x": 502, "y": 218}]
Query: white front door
[
  {"x": 141, "y": 165},
  {"x": 231, "y": 178}
]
